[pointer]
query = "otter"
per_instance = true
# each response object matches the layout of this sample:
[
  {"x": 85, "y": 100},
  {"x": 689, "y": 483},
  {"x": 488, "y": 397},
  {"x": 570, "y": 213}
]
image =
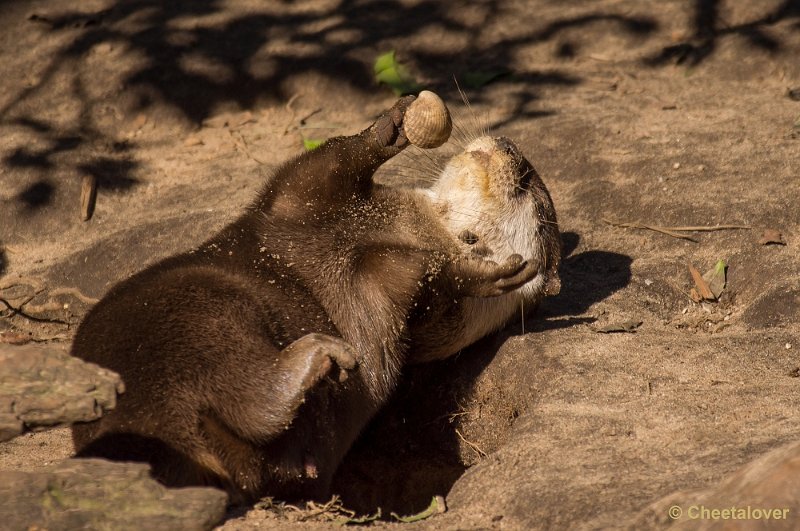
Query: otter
[{"x": 252, "y": 362}]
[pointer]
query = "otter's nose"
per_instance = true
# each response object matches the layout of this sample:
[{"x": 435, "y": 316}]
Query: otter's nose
[{"x": 507, "y": 146}]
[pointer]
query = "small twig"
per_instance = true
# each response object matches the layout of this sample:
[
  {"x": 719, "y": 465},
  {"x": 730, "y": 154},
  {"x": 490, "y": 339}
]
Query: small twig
[
  {"x": 675, "y": 232},
  {"x": 88, "y": 196},
  {"x": 18, "y": 311},
  {"x": 663, "y": 230},
  {"x": 309, "y": 115},
  {"x": 333, "y": 505},
  {"x": 292, "y": 111},
  {"x": 241, "y": 143},
  {"x": 472, "y": 445},
  {"x": 710, "y": 228}
]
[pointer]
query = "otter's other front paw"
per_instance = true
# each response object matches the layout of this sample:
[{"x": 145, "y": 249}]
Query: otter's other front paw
[{"x": 478, "y": 277}]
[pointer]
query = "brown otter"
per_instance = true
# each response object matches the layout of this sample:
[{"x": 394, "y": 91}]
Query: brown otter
[{"x": 229, "y": 351}]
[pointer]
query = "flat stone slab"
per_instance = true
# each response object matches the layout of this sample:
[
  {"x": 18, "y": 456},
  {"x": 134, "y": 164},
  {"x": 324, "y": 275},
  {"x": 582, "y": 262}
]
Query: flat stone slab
[
  {"x": 42, "y": 386},
  {"x": 100, "y": 494}
]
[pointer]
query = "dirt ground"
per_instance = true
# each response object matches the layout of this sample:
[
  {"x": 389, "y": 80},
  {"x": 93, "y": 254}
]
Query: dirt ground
[{"x": 671, "y": 113}]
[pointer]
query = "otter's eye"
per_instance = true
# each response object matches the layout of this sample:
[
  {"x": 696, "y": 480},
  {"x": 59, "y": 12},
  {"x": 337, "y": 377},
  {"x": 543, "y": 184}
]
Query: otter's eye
[{"x": 470, "y": 238}]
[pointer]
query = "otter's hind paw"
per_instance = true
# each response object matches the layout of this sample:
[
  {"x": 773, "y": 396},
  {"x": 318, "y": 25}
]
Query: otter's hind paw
[{"x": 313, "y": 356}]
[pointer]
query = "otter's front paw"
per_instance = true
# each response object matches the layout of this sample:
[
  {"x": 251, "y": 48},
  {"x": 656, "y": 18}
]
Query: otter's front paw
[
  {"x": 388, "y": 128},
  {"x": 423, "y": 121},
  {"x": 478, "y": 277}
]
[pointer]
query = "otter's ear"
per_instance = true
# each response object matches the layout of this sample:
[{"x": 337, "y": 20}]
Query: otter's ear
[{"x": 552, "y": 282}]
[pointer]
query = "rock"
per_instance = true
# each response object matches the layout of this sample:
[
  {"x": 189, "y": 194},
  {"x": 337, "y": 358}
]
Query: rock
[
  {"x": 100, "y": 494},
  {"x": 42, "y": 386},
  {"x": 765, "y": 493}
]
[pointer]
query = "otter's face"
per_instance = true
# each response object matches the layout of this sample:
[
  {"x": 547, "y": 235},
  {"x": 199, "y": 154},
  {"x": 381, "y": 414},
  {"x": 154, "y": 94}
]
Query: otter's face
[{"x": 491, "y": 199}]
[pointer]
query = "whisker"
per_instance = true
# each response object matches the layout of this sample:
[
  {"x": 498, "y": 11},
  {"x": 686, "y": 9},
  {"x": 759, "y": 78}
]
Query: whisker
[
  {"x": 465, "y": 99},
  {"x": 459, "y": 136}
]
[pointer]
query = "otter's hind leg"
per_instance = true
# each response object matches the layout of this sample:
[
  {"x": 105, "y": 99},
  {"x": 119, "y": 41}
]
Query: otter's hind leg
[
  {"x": 236, "y": 430},
  {"x": 277, "y": 384},
  {"x": 301, "y": 365}
]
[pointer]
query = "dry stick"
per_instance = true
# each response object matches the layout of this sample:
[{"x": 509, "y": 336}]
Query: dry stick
[
  {"x": 18, "y": 311},
  {"x": 241, "y": 143},
  {"x": 317, "y": 509},
  {"x": 634, "y": 225},
  {"x": 709, "y": 228},
  {"x": 88, "y": 196},
  {"x": 471, "y": 444},
  {"x": 674, "y": 231},
  {"x": 289, "y": 108}
]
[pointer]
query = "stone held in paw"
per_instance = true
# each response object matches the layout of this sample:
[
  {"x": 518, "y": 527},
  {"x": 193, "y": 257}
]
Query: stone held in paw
[{"x": 427, "y": 121}]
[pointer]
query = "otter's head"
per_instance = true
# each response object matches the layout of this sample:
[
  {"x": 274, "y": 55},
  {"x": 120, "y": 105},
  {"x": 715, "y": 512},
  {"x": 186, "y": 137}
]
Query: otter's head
[{"x": 491, "y": 198}]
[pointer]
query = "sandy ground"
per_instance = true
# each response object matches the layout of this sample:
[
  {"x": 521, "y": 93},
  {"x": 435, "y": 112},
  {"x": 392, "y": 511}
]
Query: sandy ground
[{"x": 675, "y": 115}]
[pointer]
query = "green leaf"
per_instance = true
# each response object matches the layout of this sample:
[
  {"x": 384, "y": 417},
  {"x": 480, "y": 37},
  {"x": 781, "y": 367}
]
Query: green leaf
[
  {"x": 437, "y": 506},
  {"x": 716, "y": 278},
  {"x": 312, "y": 143},
  {"x": 389, "y": 72},
  {"x": 385, "y": 61}
]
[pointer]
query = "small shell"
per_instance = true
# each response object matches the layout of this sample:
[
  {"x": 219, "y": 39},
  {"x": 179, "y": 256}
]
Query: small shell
[{"x": 427, "y": 122}]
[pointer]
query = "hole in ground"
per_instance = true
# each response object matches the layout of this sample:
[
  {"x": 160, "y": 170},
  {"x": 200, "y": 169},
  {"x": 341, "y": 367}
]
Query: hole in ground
[{"x": 445, "y": 417}]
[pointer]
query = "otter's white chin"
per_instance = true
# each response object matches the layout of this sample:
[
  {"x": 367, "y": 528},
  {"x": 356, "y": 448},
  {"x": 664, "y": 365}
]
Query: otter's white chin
[{"x": 533, "y": 289}]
